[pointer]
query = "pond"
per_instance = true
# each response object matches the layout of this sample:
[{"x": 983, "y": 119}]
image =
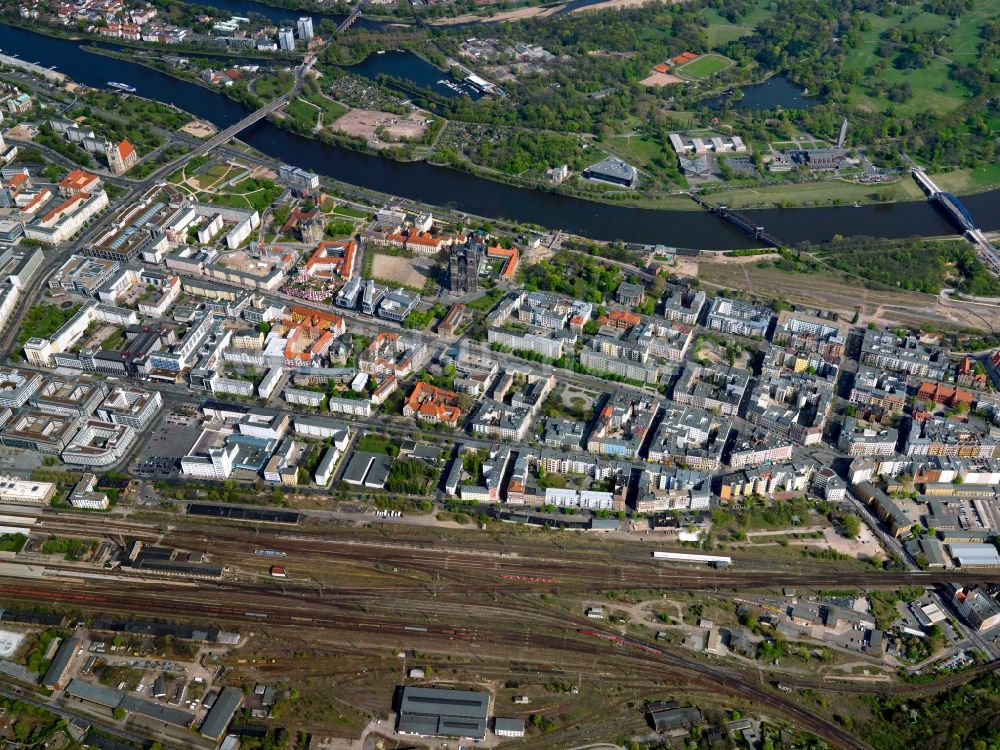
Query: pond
[{"x": 775, "y": 92}]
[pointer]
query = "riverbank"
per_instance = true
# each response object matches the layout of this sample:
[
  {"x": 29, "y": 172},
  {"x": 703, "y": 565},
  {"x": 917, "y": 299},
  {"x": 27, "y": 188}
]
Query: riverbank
[
  {"x": 537, "y": 11},
  {"x": 458, "y": 194},
  {"x": 58, "y": 32},
  {"x": 792, "y": 195}
]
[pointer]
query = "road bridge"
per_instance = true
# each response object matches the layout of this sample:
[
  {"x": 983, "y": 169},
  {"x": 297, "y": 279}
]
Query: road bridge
[
  {"x": 925, "y": 182},
  {"x": 55, "y": 256},
  {"x": 950, "y": 204},
  {"x": 351, "y": 19},
  {"x": 961, "y": 217}
]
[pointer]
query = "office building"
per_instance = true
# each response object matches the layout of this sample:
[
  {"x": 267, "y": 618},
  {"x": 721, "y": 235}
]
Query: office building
[{"x": 17, "y": 386}]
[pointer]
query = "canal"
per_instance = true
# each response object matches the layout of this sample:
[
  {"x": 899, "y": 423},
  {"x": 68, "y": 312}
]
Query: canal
[{"x": 463, "y": 192}]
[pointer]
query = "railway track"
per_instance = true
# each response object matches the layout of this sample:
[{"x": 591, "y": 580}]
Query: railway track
[
  {"x": 670, "y": 666},
  {"x": 492, "y": 571},
  {"x": 404, "y": 610}
]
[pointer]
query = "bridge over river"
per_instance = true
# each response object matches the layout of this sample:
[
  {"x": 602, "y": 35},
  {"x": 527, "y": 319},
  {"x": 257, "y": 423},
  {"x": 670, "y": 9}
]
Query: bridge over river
[{"x": 959, "y": 215}]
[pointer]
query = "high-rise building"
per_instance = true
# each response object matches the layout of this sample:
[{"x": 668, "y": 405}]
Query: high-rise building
[
  {"x": 305, "y": 26},
  {"x": 463, "y": 267},
  {"x": 286, "y": 39}
]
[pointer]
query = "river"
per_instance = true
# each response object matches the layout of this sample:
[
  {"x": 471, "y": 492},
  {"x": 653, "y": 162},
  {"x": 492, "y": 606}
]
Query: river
[
  {"x": 406, "y": 66},
  {"x": 464, "y": 192}
]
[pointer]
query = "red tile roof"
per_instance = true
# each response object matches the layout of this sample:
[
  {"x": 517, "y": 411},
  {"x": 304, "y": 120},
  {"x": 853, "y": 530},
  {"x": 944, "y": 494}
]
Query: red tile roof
[
  {"x": 77, "y": 180},
  {"x": 432, "y": 404},
  {"x": 943, "y": 394},
  {"x": 49, "y": 215},
  {"x": 510, "y": 256},
  {"x": 125, "y": 149}
]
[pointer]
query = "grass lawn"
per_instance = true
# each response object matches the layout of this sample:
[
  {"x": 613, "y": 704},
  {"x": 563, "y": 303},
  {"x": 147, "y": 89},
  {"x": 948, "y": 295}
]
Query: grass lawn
[
  {"x": 43, "y": 320},
  {"x": 704, "y": 66},
  {"x": 932, "y": 87},
  {"x": 964, "y": 38},
  {"x": 248, "y": 193},
  {"x": 486, "y": 302},
  {"x": 114, "y": 342},
  {"x": 272, "y": 86},
  {"x": 969, "y": 180},
  {"x": 372, "y": 443},
  {"x": 638, "y": 150},
  {"x": 761, "y": 9},
  {"x": 822, "y": 193},
  {"x": 302, "y": 111},
  {"x": 331, "y": 109},
  {"x": 352, "y": 213},
  {"x": 214, "y": 174},
  {"x": 721, "y": 34}
]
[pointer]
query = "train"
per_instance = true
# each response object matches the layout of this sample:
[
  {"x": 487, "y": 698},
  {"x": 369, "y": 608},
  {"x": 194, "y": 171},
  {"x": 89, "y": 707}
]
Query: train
[
  {"x": 619, "y": 641},
  {"x": 714, "y": 560},
  {"x": 116, "y": 603},
  {"x": 530, "y": 579}
]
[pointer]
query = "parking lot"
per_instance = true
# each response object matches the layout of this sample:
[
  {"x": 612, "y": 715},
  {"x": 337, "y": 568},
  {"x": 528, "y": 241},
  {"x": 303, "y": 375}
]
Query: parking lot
[{"x": 159, "y": 455}]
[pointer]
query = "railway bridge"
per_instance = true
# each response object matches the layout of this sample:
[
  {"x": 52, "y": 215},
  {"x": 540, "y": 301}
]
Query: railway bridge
[{"x": 745, "y": 223}]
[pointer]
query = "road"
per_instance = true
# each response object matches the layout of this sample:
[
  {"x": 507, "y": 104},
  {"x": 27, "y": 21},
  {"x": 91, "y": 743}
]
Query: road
[
  {"x": 112, "y": 729},
  {"x": 55, "y": 257}
]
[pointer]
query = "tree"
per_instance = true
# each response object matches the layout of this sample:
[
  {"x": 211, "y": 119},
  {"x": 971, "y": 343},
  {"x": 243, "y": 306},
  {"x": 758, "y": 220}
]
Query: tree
[{"x": 852, "y": 526}]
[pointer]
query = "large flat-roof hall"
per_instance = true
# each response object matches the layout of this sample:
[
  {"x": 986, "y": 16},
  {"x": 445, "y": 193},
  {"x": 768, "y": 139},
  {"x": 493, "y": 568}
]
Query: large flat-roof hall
[{"x": 436, "y": 712}]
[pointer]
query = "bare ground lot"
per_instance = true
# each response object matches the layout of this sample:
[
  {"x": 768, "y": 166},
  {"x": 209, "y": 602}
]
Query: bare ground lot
[
  {"x": 397, "y": 269},
  {"x": 364, "y": 122},
  {"x": 199, "y": 129},
  {"x": 536, "y": 11},
  {"x": 660, "y": 79},
  {"x": 830, "y": 292}
]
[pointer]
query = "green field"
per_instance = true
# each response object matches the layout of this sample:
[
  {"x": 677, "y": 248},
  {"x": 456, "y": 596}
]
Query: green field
[
  {"x": 353, "y": 213},
  {"x": 969, "y": 180},
  {"x": 822, "y": 192},
  {"x": 761, "y": 10},
  {"x": 704, "y": 66},
  {"x": 932, "y": 87},
  {"x": 272, "y": 86},
  {"x": 720, "y": 34},
  {"x": 331, "y": 109},
  {"x": 302, "y": 111},
  {"x": 253, "y": 193},
  {"x": 217, "y": 173},
  {"x": 637, "y": 150}
]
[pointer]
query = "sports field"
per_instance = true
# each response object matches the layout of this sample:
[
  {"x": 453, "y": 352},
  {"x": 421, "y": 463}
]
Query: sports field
[{"x": 704, "y": 66}]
